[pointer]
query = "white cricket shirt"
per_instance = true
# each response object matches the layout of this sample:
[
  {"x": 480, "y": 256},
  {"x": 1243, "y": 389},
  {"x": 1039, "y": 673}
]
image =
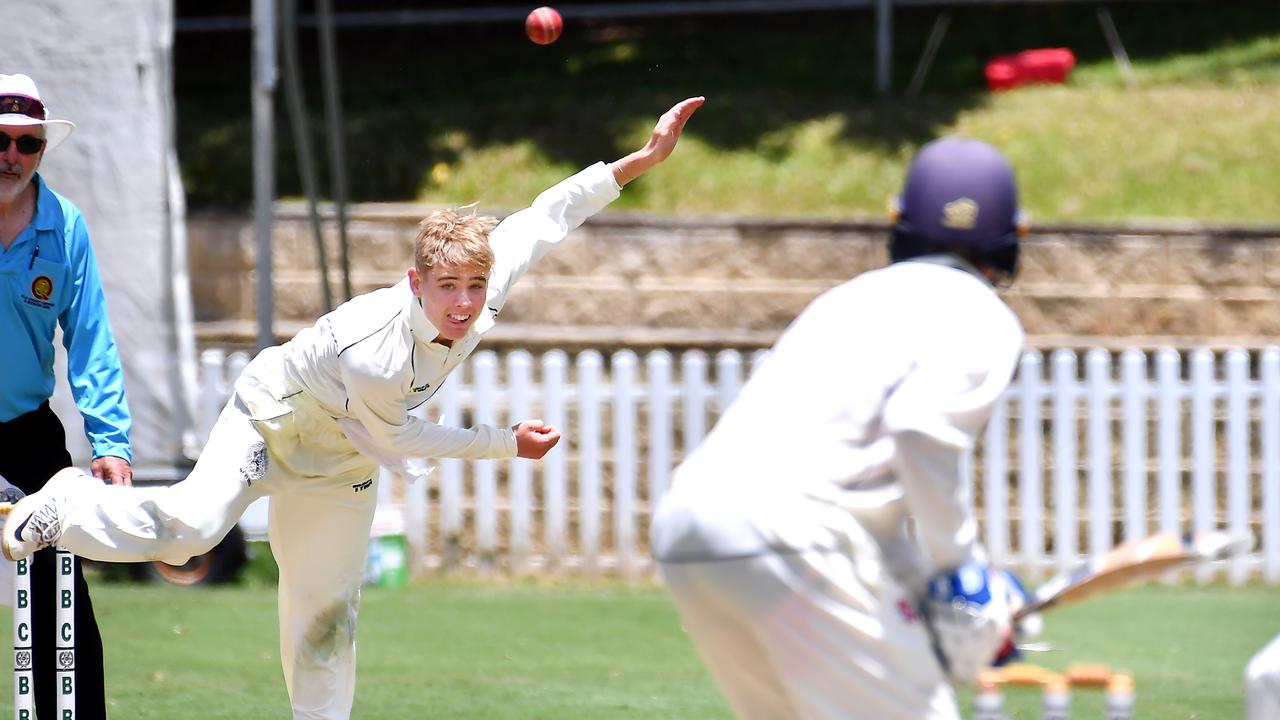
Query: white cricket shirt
[
  {"x": 373, "y": 359},
  {"x": 870, "y": 398}
]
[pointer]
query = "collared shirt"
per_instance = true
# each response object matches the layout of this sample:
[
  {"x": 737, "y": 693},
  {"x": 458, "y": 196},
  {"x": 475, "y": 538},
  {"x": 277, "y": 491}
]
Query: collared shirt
[
  {"x": 374, "y": 358},
  {"x": 49, "y": 277},
  {"x": 870, "y": 399}
]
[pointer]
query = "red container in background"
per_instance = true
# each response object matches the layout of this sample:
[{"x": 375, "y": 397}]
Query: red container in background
[{"x": 1045, "y": 65}]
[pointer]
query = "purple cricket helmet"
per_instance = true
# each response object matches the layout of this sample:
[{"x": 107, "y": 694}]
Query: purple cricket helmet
[{"x": 960, "y": 197}]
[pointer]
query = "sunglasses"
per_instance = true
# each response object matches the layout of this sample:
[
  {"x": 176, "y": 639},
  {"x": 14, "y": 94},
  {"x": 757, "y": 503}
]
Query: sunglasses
[
  {"x": 27, "y": 144},
  {"x": 22, "y": 105}
]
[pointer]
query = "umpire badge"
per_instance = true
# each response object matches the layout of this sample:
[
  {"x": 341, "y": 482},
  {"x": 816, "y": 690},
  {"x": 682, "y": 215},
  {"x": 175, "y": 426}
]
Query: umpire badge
[
  {"x": 42, "y": 288},
  {"x": 255, "y": 463}
]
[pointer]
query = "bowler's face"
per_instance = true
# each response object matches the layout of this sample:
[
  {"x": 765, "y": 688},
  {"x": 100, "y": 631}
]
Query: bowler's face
[
  {"x": 452, "y": 298},
  {"x": 16, "y": 169}
]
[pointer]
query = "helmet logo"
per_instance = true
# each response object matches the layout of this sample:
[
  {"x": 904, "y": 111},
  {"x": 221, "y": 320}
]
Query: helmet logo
[{"x": 960, "y": 214}]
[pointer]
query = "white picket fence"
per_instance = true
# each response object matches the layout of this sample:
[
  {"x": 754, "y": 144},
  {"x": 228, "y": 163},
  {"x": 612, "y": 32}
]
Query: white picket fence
[{"x": 1071, "y": 463}]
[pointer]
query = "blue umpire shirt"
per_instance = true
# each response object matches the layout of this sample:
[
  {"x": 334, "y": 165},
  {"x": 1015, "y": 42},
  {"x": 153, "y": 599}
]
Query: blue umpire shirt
[{"x": 49, "y": 275}]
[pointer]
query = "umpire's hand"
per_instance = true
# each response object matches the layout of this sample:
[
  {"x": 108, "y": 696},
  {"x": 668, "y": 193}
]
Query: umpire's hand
[{"x": 112, "y": 469}]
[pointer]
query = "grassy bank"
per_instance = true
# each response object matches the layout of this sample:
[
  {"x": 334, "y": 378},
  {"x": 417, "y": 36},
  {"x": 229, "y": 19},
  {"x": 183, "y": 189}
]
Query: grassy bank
[{"x": 792, "y": 126}]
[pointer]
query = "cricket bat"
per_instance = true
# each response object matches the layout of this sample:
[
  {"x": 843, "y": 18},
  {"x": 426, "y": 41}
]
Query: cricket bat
[{"x": 1133, "y": 562}]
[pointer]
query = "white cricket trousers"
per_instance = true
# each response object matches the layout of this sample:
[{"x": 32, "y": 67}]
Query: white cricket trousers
[
  {"x": 1262, "y": 683},
  {"x": 323, "y": 495},
  {"x": 791, "y": 608}
]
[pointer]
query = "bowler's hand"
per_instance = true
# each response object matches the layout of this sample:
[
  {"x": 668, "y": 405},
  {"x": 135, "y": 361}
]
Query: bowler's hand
[
  {"x": 661, "y": 143},
  {"x": 533, "y": 439},
  {"x": 667, "y": 132},
  {"x": 111, "y": 469}
]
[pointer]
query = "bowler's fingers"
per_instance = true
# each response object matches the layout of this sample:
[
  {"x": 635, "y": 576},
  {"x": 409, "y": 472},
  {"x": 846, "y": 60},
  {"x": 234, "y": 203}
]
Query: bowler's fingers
[
  {"x": 684, "y": 110},
  {"x": 538, "y": 427},
  {"x": 550, "y": 435},
  {"x": 674, "y": 120},
  {"x": 667, "y": 132},
  {"x": 535, "y": 439}
]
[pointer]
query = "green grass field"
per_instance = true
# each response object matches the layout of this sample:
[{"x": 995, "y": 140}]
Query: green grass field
[{"x": 468, "y": 649}]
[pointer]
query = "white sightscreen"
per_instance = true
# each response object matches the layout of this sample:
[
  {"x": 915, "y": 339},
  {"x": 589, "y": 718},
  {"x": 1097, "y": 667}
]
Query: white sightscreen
[{"x": 106, "y": 65}]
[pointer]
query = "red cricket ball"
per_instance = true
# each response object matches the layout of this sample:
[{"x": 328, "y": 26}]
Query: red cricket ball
[{"x": 543, "y": 25}]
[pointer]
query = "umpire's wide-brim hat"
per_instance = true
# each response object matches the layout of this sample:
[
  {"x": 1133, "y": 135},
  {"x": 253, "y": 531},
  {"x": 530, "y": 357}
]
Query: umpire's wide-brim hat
[{"x": 20, "y": 104}]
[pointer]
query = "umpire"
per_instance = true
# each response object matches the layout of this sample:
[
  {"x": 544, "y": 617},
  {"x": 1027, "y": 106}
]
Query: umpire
[{"x": 49, "y": 277}]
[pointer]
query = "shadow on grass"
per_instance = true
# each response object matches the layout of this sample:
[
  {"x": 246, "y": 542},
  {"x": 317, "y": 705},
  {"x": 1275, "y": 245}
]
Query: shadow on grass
[{"x": 417, "y": 96}]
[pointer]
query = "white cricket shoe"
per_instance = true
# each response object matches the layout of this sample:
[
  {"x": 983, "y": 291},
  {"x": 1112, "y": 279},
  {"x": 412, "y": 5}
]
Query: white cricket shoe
[{"x": 36, "y": 521}]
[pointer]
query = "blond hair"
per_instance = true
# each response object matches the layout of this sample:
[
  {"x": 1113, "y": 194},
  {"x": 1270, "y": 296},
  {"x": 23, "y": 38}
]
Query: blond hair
[{"x": 449, "y": 238}]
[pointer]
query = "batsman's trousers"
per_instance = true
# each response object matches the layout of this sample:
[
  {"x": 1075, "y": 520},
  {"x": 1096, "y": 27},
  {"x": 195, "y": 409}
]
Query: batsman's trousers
[
  {"x": 791, "y": 608},
  {"x": 32, "y": 448},
  {"x": 323, "y": 495},
  {"x": 1262, "y": 683}
]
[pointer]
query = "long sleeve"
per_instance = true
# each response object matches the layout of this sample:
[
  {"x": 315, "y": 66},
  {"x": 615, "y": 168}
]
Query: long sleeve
[
  {"x": 929, "y": 472},
  {"x": 524, "y": 237},
  {"x": 93, "y": 361},
  {"x": 378, "y": 403},
  {"x": 934, "y": 415},
  {"x": 385, "y": 362}
]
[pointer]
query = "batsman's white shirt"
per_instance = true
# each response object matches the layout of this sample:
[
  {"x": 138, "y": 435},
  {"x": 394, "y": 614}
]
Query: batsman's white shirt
[
  {"x": 309, "y": 423},
  {"x": 785, "y": 538}
]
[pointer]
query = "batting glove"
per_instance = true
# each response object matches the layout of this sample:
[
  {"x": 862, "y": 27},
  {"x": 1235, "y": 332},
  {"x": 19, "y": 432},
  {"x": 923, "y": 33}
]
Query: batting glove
[{"x": 970, "y": 613}]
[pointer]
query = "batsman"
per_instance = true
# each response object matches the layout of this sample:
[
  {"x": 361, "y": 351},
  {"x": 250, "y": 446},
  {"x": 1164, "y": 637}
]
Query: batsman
[
  {"x": 310, "y": 421},
  {"x": 819, "y": 545}
]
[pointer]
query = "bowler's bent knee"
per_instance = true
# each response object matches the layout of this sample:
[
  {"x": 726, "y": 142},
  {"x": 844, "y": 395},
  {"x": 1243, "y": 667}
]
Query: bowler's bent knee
[{"x": 179, "y": 542}]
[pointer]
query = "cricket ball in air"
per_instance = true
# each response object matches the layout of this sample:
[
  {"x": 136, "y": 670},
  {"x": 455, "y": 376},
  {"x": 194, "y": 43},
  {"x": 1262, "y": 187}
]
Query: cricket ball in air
[{"x": 543, "y": 25}]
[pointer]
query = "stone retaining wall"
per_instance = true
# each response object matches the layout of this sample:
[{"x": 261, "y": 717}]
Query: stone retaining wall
[{"x": 646, "y": 280}]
